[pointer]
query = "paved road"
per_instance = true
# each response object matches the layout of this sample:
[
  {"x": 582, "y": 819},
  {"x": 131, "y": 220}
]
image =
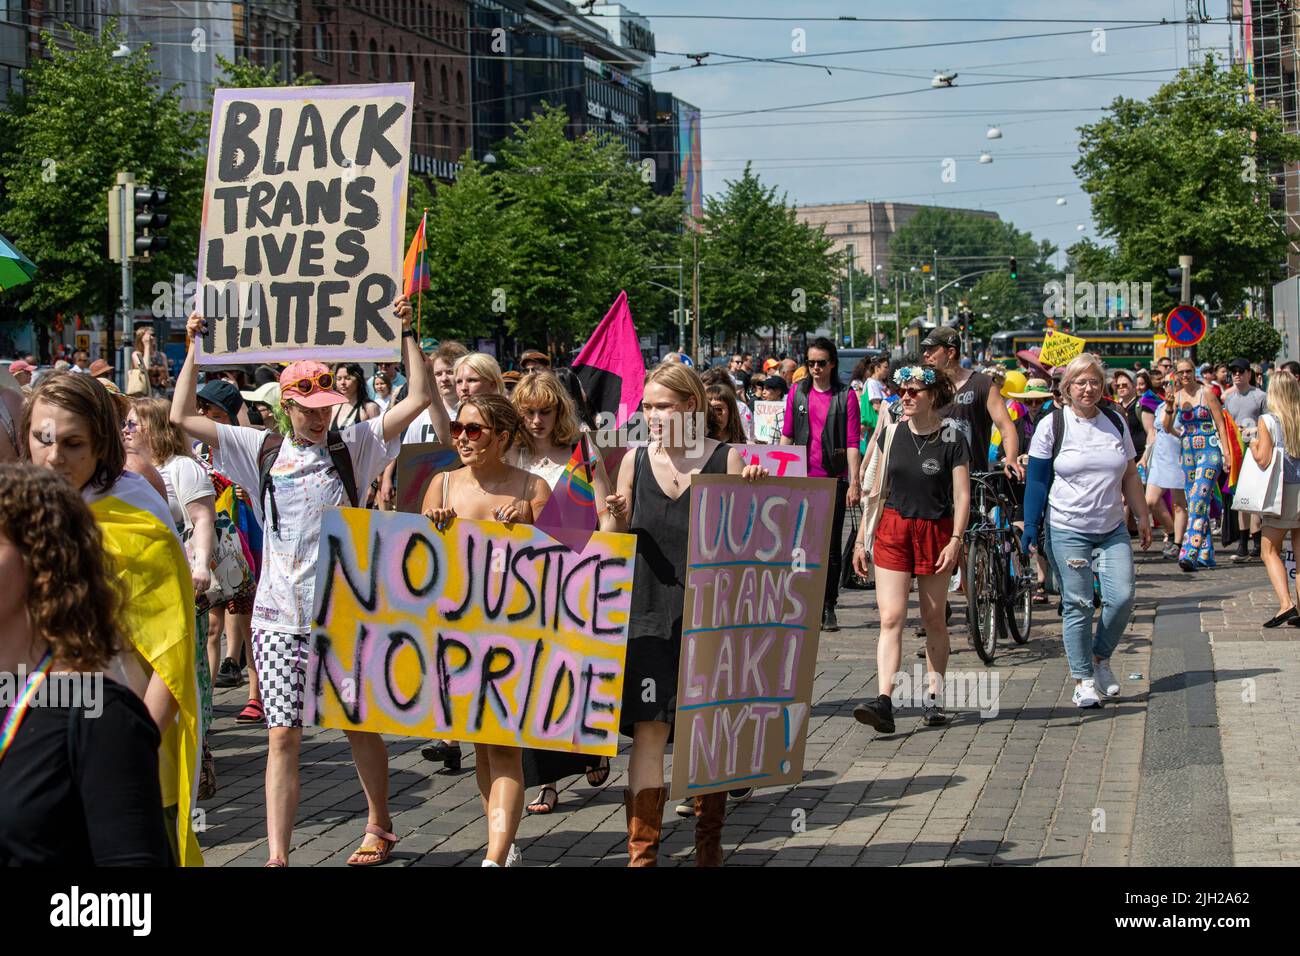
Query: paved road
[{"x": 1197, "y": 767}]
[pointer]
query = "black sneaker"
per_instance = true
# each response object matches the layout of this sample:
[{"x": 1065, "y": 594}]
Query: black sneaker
[
  {"x": 932, "y": 714},
  {"x": 228, "y": 674},
  {"x": 1242, "y": 555},
  {"x": 878, "y": 713},
  {"x": 1187, "y": 565},
  {"x": 829, "y": 623}
]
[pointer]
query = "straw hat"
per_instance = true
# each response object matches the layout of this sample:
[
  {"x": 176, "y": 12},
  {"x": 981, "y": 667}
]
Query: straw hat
[{"x": 1035, "y": 388}]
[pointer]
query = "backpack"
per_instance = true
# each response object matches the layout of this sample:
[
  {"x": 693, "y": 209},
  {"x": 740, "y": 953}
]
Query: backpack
[
  {"x": 338, "y": 451},
  {"x": 1058, "y": 426}
]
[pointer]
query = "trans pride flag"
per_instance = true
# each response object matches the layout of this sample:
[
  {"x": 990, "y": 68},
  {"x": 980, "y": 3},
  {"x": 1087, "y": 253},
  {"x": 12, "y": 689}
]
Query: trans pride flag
[{"x": 569, "y": 515}]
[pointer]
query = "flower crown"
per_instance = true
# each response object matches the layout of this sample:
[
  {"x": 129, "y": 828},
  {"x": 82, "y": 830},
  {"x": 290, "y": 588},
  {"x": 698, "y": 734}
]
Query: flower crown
[{"x": 916, "y": 373}]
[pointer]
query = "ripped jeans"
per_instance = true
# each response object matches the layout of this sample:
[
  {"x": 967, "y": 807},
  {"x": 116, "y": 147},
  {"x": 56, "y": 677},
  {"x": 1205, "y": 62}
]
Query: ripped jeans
[{"x": 1072, "y": 555}]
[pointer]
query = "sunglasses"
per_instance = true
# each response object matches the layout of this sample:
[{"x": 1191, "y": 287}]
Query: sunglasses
[
  {"x": 473, "y": 430},
  {"x": 324, "y": 381},
  {"x": 912, "y": 392},
  {"x": 130, "y": 426},
  {"x": 818, "y": 363}
]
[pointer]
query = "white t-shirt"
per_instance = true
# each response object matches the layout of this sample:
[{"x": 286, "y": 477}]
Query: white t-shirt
[
  {"x": 747, "y": 420},
  {"x": 421, "y": 430},
  {"x": 305, "y": 485},
  {"x": 186, "y": 483},
  {"x": 1089, "y": 471},
  {"x": 876, "y": 390}
]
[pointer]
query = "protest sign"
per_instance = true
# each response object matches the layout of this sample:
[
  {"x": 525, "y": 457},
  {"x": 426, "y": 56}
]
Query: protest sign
[
  {"x": 755, "y": 584},
  {"x": 1059, "y": 348},
  {"x": 767, "y": 421},
  {"x": 781, "y": 461},
  {"x": 485, "y": 632},
  {"x": 417, "y": 465},
  {"x": 304, "y": 212}
]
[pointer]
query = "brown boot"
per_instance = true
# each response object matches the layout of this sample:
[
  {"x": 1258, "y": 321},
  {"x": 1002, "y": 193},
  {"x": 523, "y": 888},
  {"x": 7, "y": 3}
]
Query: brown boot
[
  {"x": 710, "y": 811},
  {"x": 645, "y": 815}
]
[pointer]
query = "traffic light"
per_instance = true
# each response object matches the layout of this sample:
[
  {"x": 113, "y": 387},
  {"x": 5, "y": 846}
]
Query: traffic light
[
  {"x": 149, "y": 219},
  {"x": 1015, "y": 272},
  {"x": 1175, "y": 289}
]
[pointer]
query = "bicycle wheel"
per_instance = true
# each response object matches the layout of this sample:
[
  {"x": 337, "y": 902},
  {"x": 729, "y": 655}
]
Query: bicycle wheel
[
  {"x": 982, "y": 598},
  {"x": 1019, "y": 610}
]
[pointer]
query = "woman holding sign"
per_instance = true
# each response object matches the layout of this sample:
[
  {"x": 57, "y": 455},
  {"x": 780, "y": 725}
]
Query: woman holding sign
[
  {"x": 653, "y": 502},
  {"x": 486, "y": 488},
  {"x": 298, "y": 477}
]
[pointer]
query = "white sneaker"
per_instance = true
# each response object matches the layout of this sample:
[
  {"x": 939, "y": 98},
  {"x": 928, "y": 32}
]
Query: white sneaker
[
  {"x": 514, "y": 857},
  {"x": 1105, "y": 679},
  {"x": 489, "y": 863},
  {"x": 1085, "y": 694}
]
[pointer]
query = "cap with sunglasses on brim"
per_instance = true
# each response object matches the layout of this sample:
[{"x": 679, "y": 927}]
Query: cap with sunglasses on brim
[
  {"x": 310, "y": 384},
  {"x": 944, "y": 336},
  {"x": 224, "y": 395}
]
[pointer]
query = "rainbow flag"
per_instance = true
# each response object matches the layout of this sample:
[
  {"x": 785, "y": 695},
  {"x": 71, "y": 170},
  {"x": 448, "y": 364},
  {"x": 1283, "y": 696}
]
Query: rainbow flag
[
  {"x": 1234, "y": 456},
  {"x": 415, "y": 268},
  {"x": 158, "y": 618},
  {"x": 569, "y": 515}
]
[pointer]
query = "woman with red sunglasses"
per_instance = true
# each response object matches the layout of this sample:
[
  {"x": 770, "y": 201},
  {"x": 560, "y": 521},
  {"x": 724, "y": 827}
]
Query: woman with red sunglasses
[
  {"x": 488, "y": 489},
  {"x": 304, "y": 481}
]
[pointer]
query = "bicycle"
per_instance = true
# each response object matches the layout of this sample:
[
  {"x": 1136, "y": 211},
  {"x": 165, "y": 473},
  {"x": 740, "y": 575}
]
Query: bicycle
[{"x": 999, "y": 573}]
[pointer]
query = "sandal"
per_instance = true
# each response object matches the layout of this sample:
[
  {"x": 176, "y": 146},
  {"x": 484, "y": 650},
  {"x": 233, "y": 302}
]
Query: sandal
[
  {"x": 380, "y": 853},
  {"x": 207, "y": 775},
  {"x": 543, "y": 805},
  {"x": 253, "y": 713},
  {"x": 1040, "y": 595},
  {"x": 598, "y": 776},
  {"x": 275, "y": 861}
]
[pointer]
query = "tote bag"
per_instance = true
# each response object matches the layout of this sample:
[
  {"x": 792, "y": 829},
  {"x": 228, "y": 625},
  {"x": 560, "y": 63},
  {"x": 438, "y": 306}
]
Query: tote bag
[{"x": 1260, "y": 490}]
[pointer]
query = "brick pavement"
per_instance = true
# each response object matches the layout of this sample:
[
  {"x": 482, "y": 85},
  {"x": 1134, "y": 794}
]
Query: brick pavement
[{"x": 1039, "y": 783}]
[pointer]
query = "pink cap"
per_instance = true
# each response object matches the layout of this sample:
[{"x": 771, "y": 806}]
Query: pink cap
[
  {"x": 311, "y": 370},
  {"x": 21, "y": 366}
]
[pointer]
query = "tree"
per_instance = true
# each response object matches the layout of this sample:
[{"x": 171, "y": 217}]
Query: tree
[
  {"x": 759, "y": 266},
  {"x": 1251, "y": 339},
  {"x": 85, "y": 117},
  {"x": 1186, "y": 173},
  {"x": 243, "y": 74},
  {"x": 1006, "y": 304}
]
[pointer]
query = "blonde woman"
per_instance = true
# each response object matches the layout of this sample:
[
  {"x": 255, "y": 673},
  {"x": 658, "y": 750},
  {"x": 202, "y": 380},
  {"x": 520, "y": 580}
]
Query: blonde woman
[
  {"x": 652, "y": 501},
  {"x": 551, "y": 431},
  {"x": 486, "y": 488},
  {"x": 478, "y": 373},
  {"x": 1197, "y": 410},
  {"x": 1279, "y": 427}
]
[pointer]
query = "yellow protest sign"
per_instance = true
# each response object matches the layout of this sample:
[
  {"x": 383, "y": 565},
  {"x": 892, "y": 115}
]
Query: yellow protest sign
[
  {"x": 1059, "y": 348},
  {"x": 485, "y": 632},
  {"x": 1159, "y": 347}
]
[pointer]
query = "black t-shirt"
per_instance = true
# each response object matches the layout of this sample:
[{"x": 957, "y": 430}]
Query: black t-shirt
[
  {"x": 920, "y": 471},
  {"x": 77, "y": 790},
  {"x": 970, "y": 410}
]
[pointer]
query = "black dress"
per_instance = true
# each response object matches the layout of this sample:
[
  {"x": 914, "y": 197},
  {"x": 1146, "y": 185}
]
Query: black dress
[
  {"x": 80, "y": 789},
  {"x": 662, "y": 528}
]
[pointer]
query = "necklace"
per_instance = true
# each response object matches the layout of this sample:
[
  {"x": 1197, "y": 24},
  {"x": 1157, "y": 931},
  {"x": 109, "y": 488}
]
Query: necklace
[
  {"x": 925, "y": 441},
  {"x": 671, "y": 467}
]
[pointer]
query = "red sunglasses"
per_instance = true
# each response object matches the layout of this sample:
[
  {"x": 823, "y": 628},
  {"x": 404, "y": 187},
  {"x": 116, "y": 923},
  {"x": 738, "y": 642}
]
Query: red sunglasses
[{"x": 473, "y": 430}]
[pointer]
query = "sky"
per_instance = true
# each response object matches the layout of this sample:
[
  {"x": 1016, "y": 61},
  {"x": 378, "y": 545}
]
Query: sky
[{"x": 889, "y": 134}]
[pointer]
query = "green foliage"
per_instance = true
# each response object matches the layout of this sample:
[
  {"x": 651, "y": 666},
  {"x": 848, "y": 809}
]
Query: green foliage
[
  {"x": 85, "y": 117},
  {"x": 759, "y": 266},
  {"x": 1251, "y": 339},
  {"x": 1006, "y": 303},
  {"x": 1187, "y": 173},
  {"x": 243, "y": 74}
]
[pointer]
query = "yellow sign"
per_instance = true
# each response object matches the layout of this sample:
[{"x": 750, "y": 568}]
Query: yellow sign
[
  {"x": 1159, "y": 347},
  {"x": 485, "y": 632},
  {"x": 1059, "y": 348}
]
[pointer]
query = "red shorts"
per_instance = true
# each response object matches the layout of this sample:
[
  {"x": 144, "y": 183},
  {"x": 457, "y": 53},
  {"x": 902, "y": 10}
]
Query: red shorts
[{"x": 911, "y": 545}]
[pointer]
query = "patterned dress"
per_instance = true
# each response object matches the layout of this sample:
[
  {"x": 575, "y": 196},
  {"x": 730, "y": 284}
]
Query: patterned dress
[{"x": 1202, "y": 462}]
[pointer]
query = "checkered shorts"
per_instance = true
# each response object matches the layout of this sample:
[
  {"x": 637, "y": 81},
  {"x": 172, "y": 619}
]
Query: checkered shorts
[{"x": 281, "y": 662}]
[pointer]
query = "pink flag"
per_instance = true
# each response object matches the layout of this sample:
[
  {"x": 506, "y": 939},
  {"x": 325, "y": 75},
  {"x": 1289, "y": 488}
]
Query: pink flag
[{"x": 610, "y": 365}]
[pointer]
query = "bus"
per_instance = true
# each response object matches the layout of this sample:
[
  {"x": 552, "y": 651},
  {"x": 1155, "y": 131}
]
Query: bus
[{"x": 1116, "y": 349}]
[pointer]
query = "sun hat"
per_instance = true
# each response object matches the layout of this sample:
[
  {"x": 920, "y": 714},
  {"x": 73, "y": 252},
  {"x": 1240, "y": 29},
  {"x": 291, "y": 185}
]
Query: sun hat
[
  {"x": 21, "y": 366},
  {"x": 308, "y": 370},
  {"x": 224, "y": 395},
  {"x": 267, "y": 394},
  {"x": 99, "y": 367},
  {"x": 1035, "y": 388}
]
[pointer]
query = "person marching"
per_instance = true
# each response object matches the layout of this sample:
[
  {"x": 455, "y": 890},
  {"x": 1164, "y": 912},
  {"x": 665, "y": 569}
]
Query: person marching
[
  {"x": 1081, "y": 470},
  {"x": 1279, "y": 427},
  {"x": 652, "y": 501},
  {"x": 550, "y": 431},
  {"x": 486, "y": 488},
  {"x": 918, "y": 509},
  {"x": 1245, "y": 403},
  {"x": 1199, "y": 413},
  {"x": 298, "y": 478}
]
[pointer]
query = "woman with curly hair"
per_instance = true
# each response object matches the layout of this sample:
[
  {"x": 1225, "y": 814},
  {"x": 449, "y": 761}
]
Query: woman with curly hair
[
  {"x": 486, "y": 488},
  {"x": 79, "y": 772},
  {"x": 71, "y": 427}
]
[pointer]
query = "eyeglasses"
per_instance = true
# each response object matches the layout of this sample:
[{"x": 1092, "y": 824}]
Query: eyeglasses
[
  {"x": 472, "y": 430},
  {"x": 818, "y": 363},
  {"x": 324, "y": 381},
  {"x": 1086, "y": 383},
  {"x": 911, "y": 392}
]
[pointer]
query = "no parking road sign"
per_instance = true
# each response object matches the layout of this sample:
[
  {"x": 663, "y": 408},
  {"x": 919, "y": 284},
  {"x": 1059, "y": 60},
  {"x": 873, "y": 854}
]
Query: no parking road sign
[{"x": 1185, "y": 326}]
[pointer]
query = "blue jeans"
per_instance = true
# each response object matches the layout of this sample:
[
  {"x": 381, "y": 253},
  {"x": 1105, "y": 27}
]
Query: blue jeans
[{"x": 1072, "y": 555}]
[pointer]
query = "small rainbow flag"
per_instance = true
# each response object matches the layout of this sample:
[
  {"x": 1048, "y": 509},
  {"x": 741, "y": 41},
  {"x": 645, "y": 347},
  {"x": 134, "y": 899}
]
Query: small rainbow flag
[
  {"x": 1234, "y": 456},
  {"x": 569, "y": 515},
  {"x": 415, "y": 268}
]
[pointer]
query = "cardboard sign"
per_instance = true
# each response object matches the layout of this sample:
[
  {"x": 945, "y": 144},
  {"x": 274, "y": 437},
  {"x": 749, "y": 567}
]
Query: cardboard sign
[
  {"x": 755, "y": 584},
  {"x": 1059, "y": 348},
  {"x": 304, "y": 211},
  {"x": 781, "y": 461},
  {"x": 417, "y": 465},
  {"x": 768, "y": 419},
  {"x": 484, "y": 632}
]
